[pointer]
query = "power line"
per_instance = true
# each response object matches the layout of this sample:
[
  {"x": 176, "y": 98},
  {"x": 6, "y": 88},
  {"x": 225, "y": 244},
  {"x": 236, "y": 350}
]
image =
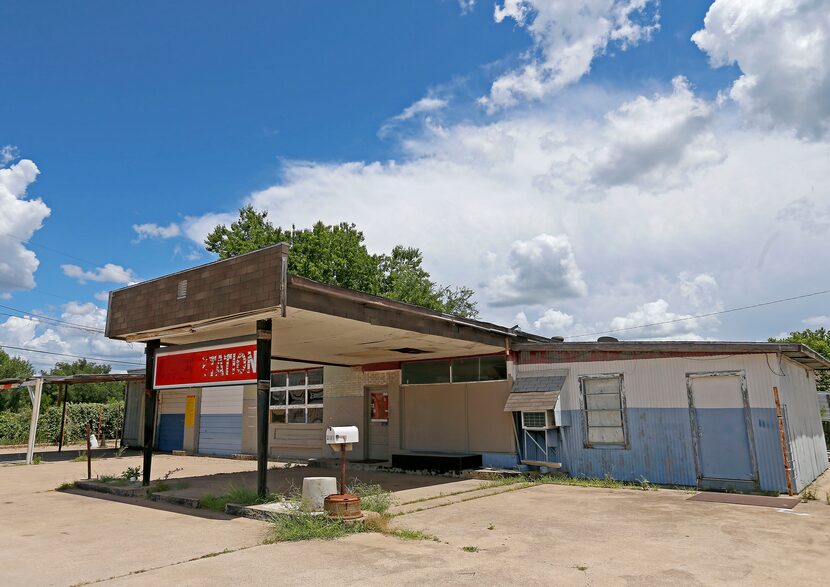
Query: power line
[
  {"x": 707, "y": 315},
  {"x": 50, "y": 319},
  {"x": 28, "y": 241},
  {"x": 46, "y": 323},
  {"x": 101, "y": 359}
]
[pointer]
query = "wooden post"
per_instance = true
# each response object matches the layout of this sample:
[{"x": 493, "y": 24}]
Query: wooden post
[
  {"x": 783, "y": 437},
  {"x": 342, "y": 469},
  {"x": 263, "y": 393},
  {"x": 88, "y": 452},
  {"x": 63, "y": 417},
  {"x": 149, "y": 408}
]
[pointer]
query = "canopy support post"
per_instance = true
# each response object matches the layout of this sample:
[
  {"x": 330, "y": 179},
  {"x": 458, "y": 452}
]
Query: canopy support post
[
  {"x": 149, "y": 408},
  {"x": 263, "y": 393},
  {"x": 35, "y": 397}
]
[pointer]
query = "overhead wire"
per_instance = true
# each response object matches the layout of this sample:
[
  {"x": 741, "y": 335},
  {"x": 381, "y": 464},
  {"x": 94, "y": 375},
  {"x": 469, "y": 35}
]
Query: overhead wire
[
  {"x": 102, "y": 359},
  {"x": 706, "y": 315},
  {"x": 33, "y": 315}
]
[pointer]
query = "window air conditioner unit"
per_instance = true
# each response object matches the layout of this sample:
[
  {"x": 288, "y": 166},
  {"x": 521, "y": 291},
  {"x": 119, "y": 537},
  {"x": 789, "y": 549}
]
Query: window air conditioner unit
[{"x": 541, "y": 420}]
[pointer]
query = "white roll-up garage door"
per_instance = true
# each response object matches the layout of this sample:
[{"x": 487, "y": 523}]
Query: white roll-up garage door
[{"x": 220, "y": 421}]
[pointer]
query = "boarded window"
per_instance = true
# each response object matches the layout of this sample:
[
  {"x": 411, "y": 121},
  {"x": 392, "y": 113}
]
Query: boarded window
[{"x": 604, "y": 409}]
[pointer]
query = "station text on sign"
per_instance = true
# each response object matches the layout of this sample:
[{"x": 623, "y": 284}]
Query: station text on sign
[{"x": 216, "y": 365}]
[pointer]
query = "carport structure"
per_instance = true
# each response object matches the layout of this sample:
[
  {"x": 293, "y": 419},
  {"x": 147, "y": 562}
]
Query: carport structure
[
  {"x": 34, "y": 387},
  {"x": 226, "y": 322}
]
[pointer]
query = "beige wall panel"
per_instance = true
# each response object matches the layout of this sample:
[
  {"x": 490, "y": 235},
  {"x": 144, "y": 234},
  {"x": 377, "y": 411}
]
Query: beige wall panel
[
  {"x": 296, "y": 440},
  {"x": 249, "y": 420},
  {"x": 435, "y": 417},
  {"x": 343, "y": 411},
  {"x": 490, "y": 427}
]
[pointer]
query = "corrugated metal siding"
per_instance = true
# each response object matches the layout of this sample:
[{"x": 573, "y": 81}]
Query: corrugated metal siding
[
  {"x": 806, "y": 436},
  {"x": 134, "y": 415},
  {"x": 658, "y": 419},
  {"x": 220, "y": 422}
]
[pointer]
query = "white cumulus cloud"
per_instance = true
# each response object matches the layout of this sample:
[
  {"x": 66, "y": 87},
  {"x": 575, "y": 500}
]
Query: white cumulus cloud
[
  {"x": 540, "y": 270},
  {"x": 110, "y": 272},
  {"x": 567, "y": 36},
  {"x": 783, "y": 49},
  {"x": 20, "y": 219},
  {"x": 151, "y": 230},
  {"x": 41, "y": 335}
]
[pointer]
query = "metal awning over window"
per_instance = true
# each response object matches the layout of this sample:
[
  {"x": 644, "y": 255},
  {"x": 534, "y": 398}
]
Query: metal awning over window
[{"x": 536, "y": 391}]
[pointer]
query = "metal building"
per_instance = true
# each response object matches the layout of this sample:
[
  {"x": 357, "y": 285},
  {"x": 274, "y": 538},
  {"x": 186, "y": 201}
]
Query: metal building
[{"x": 684, "y": 413}]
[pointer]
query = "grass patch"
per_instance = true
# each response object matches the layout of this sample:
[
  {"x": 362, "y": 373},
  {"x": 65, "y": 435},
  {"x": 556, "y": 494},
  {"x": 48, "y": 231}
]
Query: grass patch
[
  {"x": 607, "y": 482},
  {"x": 406, "y": 534},
  {"x": 37, "y": 459},
  {"x": 65, "y": 486},
  {"x": 110, "y": 480},
  {"x": 581, "y": 567},
  {"x": 291, "y": 528},
  {"x": 307, "y": 526},
  {"x": 470, "y": 548},
  {"x": 373, "y": 497},
  {"x": 217, "y": 503},
  {"x": 809, "y": 494}
]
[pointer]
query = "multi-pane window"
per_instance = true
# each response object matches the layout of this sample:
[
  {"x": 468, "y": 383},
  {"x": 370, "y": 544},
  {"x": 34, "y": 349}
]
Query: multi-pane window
[
  {"x": 297, "y": 397},
  {"x": 604, "y": 408},
  {"x": 468, "y": 369}
]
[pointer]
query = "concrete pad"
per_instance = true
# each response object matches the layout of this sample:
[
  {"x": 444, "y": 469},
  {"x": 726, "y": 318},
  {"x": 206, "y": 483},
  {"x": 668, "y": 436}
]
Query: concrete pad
[{"x": 547, "y": 535}]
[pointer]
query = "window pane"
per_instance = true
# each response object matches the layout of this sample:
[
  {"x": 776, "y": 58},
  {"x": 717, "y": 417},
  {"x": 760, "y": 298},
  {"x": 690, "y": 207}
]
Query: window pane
[
  {"x": 603, "y": 418},
  {"x": 315, "y": 396},
  {"x": 296, "y": 416},
  {"x": 278, "y": 398},
  {"x": 493, "y": 368},
  {"x": 315, "y": 377},
  {"x": 277, "y": 416},
  {"x": 296, "y": 397},
  {"x": 594, "y": 386},
  {"x": 603, "y": 401},
  {"x": 465, "y": 370},
  {"x": 606, "y": 436},
  {"x": 426, "y": 372},
  {"x": 296, "y": 378},
  {"x": 315, "y": 415},
  {"x": 380, "y": 406},
  {"x": 277, "y": 379}
]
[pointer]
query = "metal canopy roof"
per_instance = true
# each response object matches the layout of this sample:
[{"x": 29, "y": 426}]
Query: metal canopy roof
[
  {"x": 73, "y": 379},
  {"x": 798, "y": 352}
]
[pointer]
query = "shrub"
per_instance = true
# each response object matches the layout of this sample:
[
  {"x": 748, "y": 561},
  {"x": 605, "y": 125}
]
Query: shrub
[{"x": 14, "y": 426}]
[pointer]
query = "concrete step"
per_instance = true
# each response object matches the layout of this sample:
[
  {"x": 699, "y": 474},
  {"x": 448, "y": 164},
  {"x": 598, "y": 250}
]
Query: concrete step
[{"x": 446, "y": 499}]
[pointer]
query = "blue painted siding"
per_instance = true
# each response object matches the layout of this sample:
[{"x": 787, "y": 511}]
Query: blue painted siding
[
  {"x": 171, "y": 432},
  {"x": 661, "y": 449},
  {"x": 723, "y": 444},
  {"x": 499, "y": 460},
  {"x": 220, "y": 434}
]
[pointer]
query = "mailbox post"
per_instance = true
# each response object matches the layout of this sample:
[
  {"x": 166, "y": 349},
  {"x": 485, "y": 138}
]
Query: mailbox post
[{"x": 342, "y": 505}]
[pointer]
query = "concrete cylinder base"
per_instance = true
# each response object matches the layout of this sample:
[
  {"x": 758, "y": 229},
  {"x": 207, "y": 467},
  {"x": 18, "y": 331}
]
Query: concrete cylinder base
[{"x": 315, "y": 490}]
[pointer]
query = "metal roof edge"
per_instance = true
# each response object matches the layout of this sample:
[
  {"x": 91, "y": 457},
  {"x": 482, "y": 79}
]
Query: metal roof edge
[{"x": 794, "y": 350}]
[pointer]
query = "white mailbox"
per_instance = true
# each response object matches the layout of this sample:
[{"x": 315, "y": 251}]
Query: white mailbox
[{"x": 336, "y": 436}]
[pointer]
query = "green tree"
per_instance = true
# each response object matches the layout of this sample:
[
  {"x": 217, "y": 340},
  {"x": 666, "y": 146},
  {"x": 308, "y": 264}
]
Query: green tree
[
  {"x": 819, "y": 341},
  {"x": 106, "y": 392},
  {"x": 14, "y": 368},
  {"x": 337, "y": 255}
]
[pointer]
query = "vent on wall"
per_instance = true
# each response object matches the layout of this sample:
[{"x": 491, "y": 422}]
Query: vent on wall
[{"x": 181, "y": 290}]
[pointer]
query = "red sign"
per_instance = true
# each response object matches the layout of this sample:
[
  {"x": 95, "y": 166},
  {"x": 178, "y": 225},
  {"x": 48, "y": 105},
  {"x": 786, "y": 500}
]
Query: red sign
[{"x": 216, "y": 365}]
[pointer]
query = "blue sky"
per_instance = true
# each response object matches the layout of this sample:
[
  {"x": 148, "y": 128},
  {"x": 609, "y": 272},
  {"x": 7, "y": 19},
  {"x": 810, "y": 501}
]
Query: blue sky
[{"x": 177, "y": 114}]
